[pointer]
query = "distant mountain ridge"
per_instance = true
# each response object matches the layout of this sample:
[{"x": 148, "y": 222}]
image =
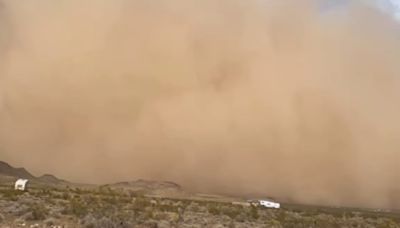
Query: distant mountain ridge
[
  {"x": 148, "y": 184},
  {"x": 50, "y": 179},
  {"x": 150, "y": 187},
  {"x": 8, "y": 170}
]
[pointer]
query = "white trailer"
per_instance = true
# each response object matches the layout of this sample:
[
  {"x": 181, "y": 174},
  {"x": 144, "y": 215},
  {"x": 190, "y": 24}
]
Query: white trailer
[
  {"x": 21, "y": 184},
  {"x": 269, "y": 204}
]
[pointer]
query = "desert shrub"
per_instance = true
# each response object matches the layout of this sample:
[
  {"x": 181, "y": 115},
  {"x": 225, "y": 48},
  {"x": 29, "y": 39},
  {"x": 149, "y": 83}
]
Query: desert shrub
[
  {"x": 384, "y": 222},
  {"x": 150, "y": 224},
  {"x": 141, "y": 203},
  {"x": 178, "y": 204},
  {"x": 77, "y": 208},
  {"x": 213, "y": 209},
  {"x": 65, "y": 196},
  {"x": 167, "y": 216},
  {"x": 19, "y": 222},
  {"x": 272, "y": 223},
  {"x": 90, "y": 221},
  {"x": 11, "y": 194},
  {"x": 106, "y": 191},
  {"x": 132, "y": 194},
  {"x": 193, "y": 207},
  {"x": 163, "y": 224},
  {"x": 90, "y": 200},
  {"x": 44, "y": 192},
  {"x": 124, "y": 200},
  {"x": 37, "y": 212},
  {"x": 79, "y": 191},
  {"x": 281, "y": 216},
  {"x": 148, "y": 213},
  {"x": 167, "y": 207},
  {"x": 160, "y": 216},
  {"x": 231, "y": 224},
  {"x": 50, "y": 222},
  {"x": 231, "y": 212},
  {"x": 124, "y": 216},
  {"x": 50, "y": 201},
  {"x": 111, "y": 200},
  {"x": 185, "y": 203},
  {"x": 106, "y": 223},
  {"x": 324, "y": 220},
  {"x": 254, "y": 213},
  {"x": 241, "y": 217},
  {"x": 16, "y": 209}
]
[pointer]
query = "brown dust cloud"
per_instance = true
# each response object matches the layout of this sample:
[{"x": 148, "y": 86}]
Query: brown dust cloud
[{"x": 251, "y": 98}]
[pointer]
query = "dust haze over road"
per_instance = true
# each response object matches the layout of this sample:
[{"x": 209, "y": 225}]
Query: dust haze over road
[{"x": 240, "y": 97}]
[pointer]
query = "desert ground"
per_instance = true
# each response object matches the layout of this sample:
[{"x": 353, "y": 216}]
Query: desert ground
[{"x": 52, "y": 202}]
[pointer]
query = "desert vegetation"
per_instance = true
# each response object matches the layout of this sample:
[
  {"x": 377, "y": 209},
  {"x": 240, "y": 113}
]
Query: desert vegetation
[{"x": 116, "y": 208}]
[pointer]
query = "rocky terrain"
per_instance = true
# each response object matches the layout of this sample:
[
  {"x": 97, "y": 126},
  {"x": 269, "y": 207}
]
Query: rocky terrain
[{"x": 51, "y": 202}]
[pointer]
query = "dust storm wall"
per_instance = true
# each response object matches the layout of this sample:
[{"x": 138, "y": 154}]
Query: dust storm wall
[{"x": 243, "y": 97}]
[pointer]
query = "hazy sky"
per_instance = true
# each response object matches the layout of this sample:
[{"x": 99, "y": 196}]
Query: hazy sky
[
  {"x": 395, "y": 5},
  {"x": 391, "y": 7}
]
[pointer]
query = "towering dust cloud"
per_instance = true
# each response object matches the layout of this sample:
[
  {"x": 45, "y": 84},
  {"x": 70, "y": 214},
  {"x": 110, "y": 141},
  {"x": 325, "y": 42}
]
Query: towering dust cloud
[{"x": 276, "y": 98}]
